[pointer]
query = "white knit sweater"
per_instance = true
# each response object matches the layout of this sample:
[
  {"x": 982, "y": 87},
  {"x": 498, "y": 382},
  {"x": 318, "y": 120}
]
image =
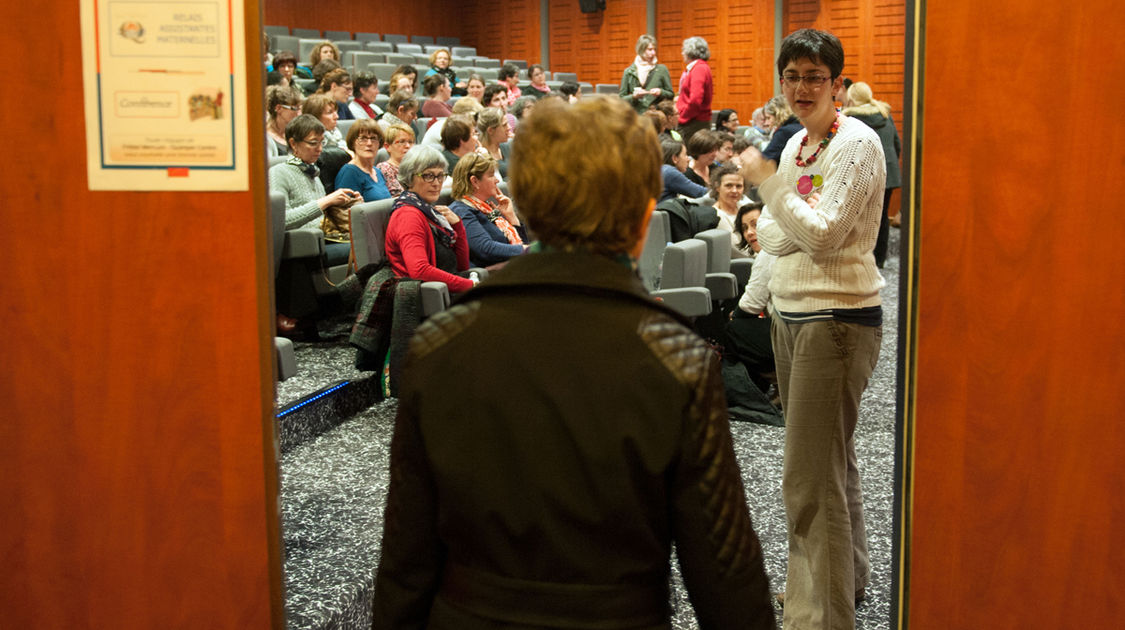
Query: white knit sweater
[{"x": 825, "y": 257}]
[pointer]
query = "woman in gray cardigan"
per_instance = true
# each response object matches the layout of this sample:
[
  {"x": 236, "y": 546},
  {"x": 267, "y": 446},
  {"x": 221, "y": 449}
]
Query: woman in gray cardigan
[{"x": 645, "y": 81}]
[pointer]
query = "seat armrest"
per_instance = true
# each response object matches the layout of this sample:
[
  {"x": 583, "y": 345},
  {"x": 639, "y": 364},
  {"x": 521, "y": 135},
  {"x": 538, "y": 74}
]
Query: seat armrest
[
  {"x": 688, "y": 301},
  {"x": 303, "y": 243},
  {"x": 723, "y": 286},
  {"x": 741, "y": 268},
  {"x": 435, "y": 298}
]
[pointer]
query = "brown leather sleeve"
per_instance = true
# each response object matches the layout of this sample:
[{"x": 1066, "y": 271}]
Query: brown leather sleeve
[{"x": 720, "y": 556}]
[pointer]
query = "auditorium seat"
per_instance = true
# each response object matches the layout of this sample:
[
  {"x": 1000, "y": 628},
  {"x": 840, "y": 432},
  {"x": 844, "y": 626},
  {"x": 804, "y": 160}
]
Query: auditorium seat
[
  {"x": 399, "y": 59},
  {"x": 379, "y": 47},
  {"x": 484, "y": 62},
  {"x": 463, "y": 62},
  {"x": 382, "y": 70},
  {"x": 306, "y": 47},
  {"x": 368, "y": 37},
  {"x": 335, "y": 36},
  {"x": 447, "y": 41},
  {"x": 421, "y": 39},
  {"x": 409, "y": 49},
  {"x": 357, "y": 61},
  {"x": 520, "y": 63},
  {"x": 607, "y": 88},
  {"x": 464, "y": 51},
  {"x": 422, "y": 59},
  {"x": 348, "y": 46},
  {"x": 488, "y": 74},
  {"x": 283, "y": 348},
  {"x": 311, "y": 33},
  {"x": 396, "y": 39},
  {"x": 276, "y": 30},
  {"x": 279, "y": 43},
  {"x": 722, "y": 284},
  {"x": 566, "y": 76},
  {"x": 675, "y": 273}
]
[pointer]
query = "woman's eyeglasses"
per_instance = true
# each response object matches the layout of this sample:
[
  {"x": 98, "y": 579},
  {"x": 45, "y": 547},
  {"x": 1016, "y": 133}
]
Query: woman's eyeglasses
[
  {"x": 814, "y": 81},
  {"x": 430, "y": 178},
  {"x": 366, "y": 139}
]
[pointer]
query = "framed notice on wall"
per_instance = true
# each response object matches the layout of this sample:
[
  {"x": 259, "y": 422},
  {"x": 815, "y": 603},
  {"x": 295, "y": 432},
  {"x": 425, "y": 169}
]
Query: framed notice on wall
[{"x": 165, "y": 94}]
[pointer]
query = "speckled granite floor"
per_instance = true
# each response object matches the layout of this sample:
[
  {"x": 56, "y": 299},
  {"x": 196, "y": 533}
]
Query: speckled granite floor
[{"x": 334, "y": 486}]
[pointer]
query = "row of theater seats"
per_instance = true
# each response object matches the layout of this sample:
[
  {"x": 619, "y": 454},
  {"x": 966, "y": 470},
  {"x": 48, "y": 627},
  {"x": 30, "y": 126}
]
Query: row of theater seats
[{"x": 274, "y": 31}]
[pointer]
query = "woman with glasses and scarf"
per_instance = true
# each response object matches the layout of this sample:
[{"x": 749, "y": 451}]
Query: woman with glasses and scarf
[
  {"x": 424, "y": 241},
  {"x": 365, "y": 138}
]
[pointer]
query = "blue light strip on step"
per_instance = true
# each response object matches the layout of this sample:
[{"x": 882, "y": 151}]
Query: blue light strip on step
[{"x": 311, "y": 398}]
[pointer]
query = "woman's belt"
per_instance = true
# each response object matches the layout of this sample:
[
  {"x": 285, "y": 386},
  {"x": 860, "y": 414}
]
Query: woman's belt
[{"x": 594, "y": 606}]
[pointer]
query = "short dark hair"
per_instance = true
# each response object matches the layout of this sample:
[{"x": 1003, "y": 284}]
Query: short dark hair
[
  {"x": 324, "y": 67},
  {"x": 509, "y": 70},
  {"x": 432, "y": 83},
  {"x": 717, "y": 175},
  {"x": 490, "y": 92},
  {"x": 741, "y": 143},
  {"x": 703, "y": 141},
  {"x": 816, "y": 46},
  {"x": 570, "y": 88},
  {"x": 300, "y": 127},
  {"x": 284, "y": 57},
  {"x": 457, "y": 129},
  {"x": 723, "y": 116},
  {"x": 361, "y": 81},
  {"x": 532, "y": 68}
]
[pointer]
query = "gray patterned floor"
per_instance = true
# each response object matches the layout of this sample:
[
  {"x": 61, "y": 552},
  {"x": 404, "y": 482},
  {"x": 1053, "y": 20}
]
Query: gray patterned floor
[{"x": 333, "y": 489}]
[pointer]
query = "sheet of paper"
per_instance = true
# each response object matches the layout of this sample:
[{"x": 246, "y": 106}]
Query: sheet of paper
[{"x": 165, "y": 90}]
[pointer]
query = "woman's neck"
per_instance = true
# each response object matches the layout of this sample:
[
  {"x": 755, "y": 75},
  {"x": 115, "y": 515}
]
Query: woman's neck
[
  {"x": 366, "y": 164},
  {"x": 273, "y": 129},
  {"x": 726, "y": 206},
  {"x": 818, "y": 128}
]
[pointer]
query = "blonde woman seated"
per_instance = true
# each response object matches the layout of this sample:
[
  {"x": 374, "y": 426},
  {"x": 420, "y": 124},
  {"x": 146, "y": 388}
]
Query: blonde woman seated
[
  {"x": 727, "y": 187},
  {"x": 494, "y": 230},
  {"x": 493, "y": 132},
  {"x": 399, "y": 139},
  {"x": 324, "y": 108}
]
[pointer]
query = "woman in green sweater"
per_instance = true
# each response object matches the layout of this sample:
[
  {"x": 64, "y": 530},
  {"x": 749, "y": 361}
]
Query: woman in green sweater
[{"x": 645, "y": 81}]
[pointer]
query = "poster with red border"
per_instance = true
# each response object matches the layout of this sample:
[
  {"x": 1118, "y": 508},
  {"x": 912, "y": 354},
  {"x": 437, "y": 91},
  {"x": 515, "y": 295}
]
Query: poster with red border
[{"x": 165, "y": 108}]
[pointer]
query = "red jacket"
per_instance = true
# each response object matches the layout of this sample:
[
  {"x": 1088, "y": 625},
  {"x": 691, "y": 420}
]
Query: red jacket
[
  {"x": 410, "y": 249},
  {"x": 694, "y": 102}
]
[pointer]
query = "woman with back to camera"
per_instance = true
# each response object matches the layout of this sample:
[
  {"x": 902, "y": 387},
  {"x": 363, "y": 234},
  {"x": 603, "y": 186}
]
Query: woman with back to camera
[
  {"x": 399, "y": 139},
  {"x": 492, "y": 226},
  {"x": 298, "y": 179},
  {"x": 694, "y": 100},
  {"x": 727, "y": 188},
  {"x": 672, "y": 172},
  {"x": 283, "y": 105},
  {"x": 365, "y": 138},
  {"x": 877, "y": 115},
  {"x": 425, "y": 241},
  {"x": 439, "y": 64},
  {"x": 645, "y": 81},
  {"x": 590, "y": 475}
]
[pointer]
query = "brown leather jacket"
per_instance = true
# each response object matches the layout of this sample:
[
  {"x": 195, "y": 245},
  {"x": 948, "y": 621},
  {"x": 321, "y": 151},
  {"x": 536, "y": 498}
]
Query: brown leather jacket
[{"x": 557, "y": 432}]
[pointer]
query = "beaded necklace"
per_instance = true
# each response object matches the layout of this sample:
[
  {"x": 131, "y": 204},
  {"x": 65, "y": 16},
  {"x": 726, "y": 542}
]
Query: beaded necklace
[{"x": 823, "y": 143}]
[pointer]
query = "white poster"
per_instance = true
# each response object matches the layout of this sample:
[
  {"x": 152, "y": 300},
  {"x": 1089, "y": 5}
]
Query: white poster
[{"x": 165, "y": 107}]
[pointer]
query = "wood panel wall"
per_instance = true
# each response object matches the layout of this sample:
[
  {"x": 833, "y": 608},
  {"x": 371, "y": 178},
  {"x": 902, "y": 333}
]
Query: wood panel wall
[
  {"x": 740, "y": 35},
  {"x": 500, "y": 29},
  {"x": 1018, "y": 468},
  {"x": 598, "y": 46},
  {"x": 435, "y": 18},
  {"x": 137, "y": 475},
  {"x": 872, "y": 32}
]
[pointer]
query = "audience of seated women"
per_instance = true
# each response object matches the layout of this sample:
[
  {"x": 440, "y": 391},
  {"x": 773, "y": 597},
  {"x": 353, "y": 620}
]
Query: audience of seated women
[
  {"x": 298, "y": 179},
  {"x": 702, "y": 147},
  {"x": 437, "y": 91},
  {"x": 424, "y": 241},
  {"x": 727, "y": 187},
  {"x": 493, "y": 133},
  {"x": 396, "y": 83},
  {"x": 464, "y": 106},
  {"x": 785, "y": 124},
  {"x": 338, "y": 85},
  {"x": 474, "y": 88},
  {"x": 672, "y": 171},
  {"x": 323, "y": 108},
  {"x": 365, "y": 138},
  {"x": 748, "y": 332},
  {"x": 538, "y": 87},
  {"x": 645, "y": 81},
  {"x": 283, "y": 104},
  {"x": 365, "y": 89},
  {"x": 402, "y": 109},
  {"x": 492, "y": 226},
  {"x": 399, "y": 138},
  {"x": 439, "y": 64}
]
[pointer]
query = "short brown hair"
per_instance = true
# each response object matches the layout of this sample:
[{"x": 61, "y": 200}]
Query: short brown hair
[
  {"x": 364, "y": 126},
  {"x": 401, "y": 98},
  {"x": 576, "y": 198},
  {"x": 277, "y": 95},
  {"x": 339, "y": 76},
  {"x": 317, "y": 104},
  {"x": 704, "y": 141},
  {"x": 457, "y": 129},
  {"x": 468, "y": 166}
]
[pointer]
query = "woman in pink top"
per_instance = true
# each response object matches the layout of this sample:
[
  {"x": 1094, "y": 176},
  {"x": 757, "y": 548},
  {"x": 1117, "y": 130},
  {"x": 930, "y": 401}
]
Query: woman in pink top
[{"x": 694, "y": 101}]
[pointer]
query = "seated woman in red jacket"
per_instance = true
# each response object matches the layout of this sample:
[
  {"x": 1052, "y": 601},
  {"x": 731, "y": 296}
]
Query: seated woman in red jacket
[{"x": 424, "y": 241}]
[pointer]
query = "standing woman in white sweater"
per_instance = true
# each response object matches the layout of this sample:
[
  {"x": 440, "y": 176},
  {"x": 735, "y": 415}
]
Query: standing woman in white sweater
[{"x": 826, "y": 324}]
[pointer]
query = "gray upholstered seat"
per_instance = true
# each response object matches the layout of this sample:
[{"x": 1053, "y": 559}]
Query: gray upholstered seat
[
  {"x": 379, "y": 47},
  {"x": 338, "y": 36},
  {"x": 607, "y": 88},
  {"x": 720, "y": 281},
  {"x": 279, "y": 43},
  {"x": 566, "y": 76},
  {"x": 368, "y": 37},
  {"x": 675, "y": 273},
  {"x": 358, "y": 61},
  {"x": 421, "y": 39},
  {"x": 409, "y": 49},
  {"x": 313, "y": 33},
  {"x": 369, "y": 223},
  {"x": 520, "y": 63},
  {"x": 396, "y": 39},
  {"x": 447, "y": 41},
  {"x": 464, "y": 51}
]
